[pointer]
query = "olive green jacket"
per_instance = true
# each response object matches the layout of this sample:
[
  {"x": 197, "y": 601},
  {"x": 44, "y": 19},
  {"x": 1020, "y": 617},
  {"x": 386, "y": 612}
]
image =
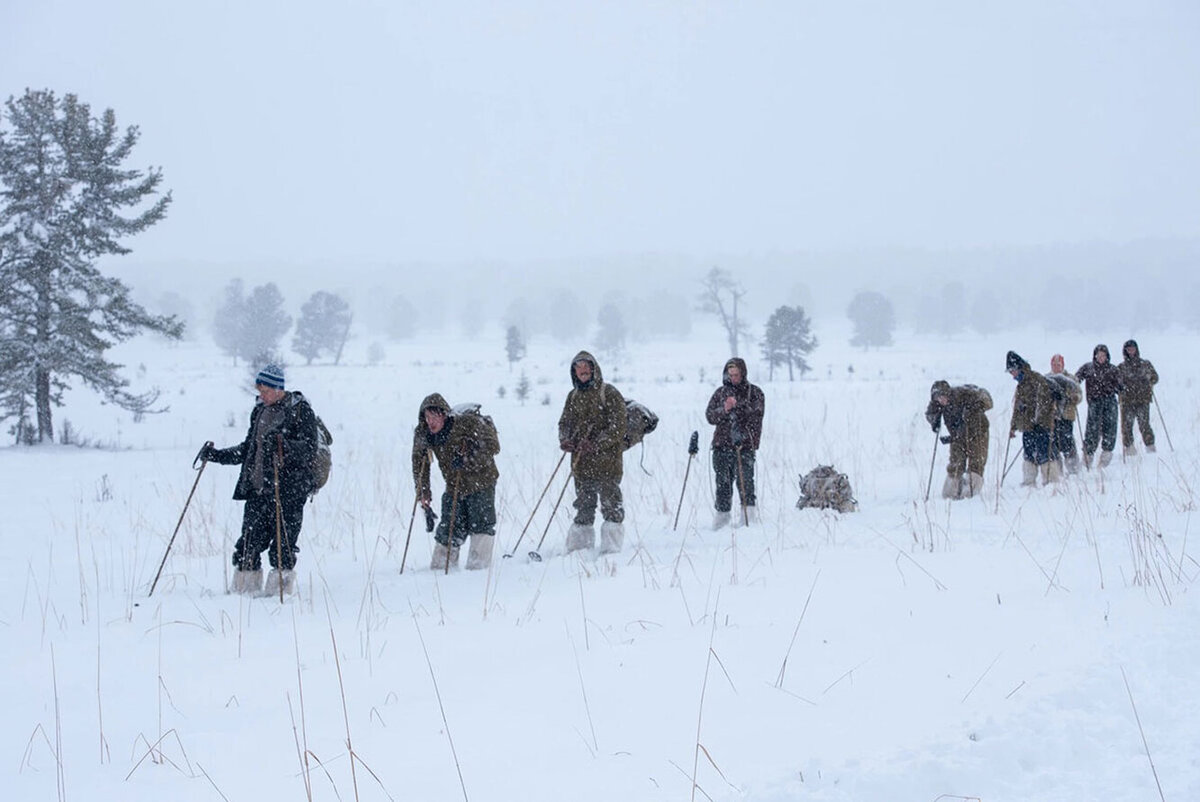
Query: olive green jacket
[
  {"x": 466, "y": 434},
  {"x": 592, "y": 425},
  {"x": 1033, "y": 404}
]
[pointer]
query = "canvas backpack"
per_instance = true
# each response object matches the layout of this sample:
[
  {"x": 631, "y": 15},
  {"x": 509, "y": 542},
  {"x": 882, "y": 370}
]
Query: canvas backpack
[
  {"x": 322, "y": 462},
  {"x": 824, "y": 487},
  {"x": 987, "y": 397},
  {"x": 639, "y": 422},
  {"x": 473, "y": 409}
]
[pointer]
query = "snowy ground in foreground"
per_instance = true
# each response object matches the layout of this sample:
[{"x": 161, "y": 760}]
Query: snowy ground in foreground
[{"x": 947, "y": 651}]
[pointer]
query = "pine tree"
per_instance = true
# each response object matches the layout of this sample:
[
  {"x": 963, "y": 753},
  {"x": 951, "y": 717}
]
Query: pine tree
[
  {"x": 873, "y": 318},
  {"x": 264, "y": 324},
  {"x": 521, "y": 391},
  {"x": 322, "y": 328},
  {"x": 788, "y": 338},
  {"x": 66, "y": 200},
  {"x": 514, "y": 345},
  {"x": 611, "y": 334},
  {"x": 229, "y": 322}
]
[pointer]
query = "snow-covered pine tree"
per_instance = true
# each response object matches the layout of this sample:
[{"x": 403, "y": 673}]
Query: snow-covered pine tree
[
  {"x": 873, "y": 318},
  {"x": 264, "y": 323},
  {"x": 322, "y": 327},
  {"x": 514, "y": 345},
  {"x": 229, "y": 322},
  {"x": 66, "y": 200},
  {"x": 788, "y": 338}
]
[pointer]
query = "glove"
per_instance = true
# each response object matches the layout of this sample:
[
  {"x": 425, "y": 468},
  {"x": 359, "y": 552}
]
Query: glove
[
  {"x": 585, "y": 447},
  {"x": 458, "y": 462},
  {"x": 207, "y": 451},
  {"x": 566, "y": 445},
  {"x": 936, "y": 426},
  {"x": 1012, "y": 433},
  {"x": 945, "y": 439},
  {"x": 429, "y": 519}
]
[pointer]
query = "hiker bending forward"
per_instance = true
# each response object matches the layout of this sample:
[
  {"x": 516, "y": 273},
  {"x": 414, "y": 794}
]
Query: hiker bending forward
[
  {"x": 592, "y": 430},
  {"x": 465, "y": 444},
  {"x": 736, "y": 413},
  {"x": 964, "y": 411},
  {"x": 1033, "y": 417},
  {"x": 282, "y": 424}
]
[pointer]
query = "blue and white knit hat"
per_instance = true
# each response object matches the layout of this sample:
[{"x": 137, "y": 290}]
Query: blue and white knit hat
[{"x": 270, "y": 376}]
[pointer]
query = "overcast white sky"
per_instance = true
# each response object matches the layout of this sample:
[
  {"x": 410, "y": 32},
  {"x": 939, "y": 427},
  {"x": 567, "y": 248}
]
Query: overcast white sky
[{"x": 444, "y": 130}]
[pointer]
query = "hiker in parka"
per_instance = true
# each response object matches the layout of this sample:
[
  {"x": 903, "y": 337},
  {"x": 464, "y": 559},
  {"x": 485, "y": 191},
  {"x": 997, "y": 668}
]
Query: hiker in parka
[
  {"x": 465, "y": 445},
  {"x": 736, "y": 412},
  {"x": 1067, "y": 395},
  {"x": 592, "y": 430},
  {"x": 1138, "y": 378},
  {"x": 1102, "y": 381},
  {"x": 281, "y": 423},
  {"x": 964, "y": 411},
  {"x": 1033, "y": 416}
]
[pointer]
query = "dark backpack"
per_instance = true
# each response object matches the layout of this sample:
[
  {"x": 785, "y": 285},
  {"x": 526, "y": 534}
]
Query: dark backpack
[
  {"x": 639, "y": 422},
  {"x": 824, "y": 487}
]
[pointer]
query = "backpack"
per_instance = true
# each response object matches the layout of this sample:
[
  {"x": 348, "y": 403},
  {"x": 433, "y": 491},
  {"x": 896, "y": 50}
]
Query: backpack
[
  {"x": 470, "y": 408},
  {"x": 322, "y": 462},
  {"x": 823, "y": 487},
  {"x": 639, "y": 422},
  {"x": 987, "y": 397}
]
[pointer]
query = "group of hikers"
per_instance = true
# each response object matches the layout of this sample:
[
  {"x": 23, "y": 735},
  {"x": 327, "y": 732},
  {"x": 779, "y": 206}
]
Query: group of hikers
[
  {"x": 277, "y": 454},
  {"x": 1045, "y": 412},
  {"x": 282, "y": 440}
]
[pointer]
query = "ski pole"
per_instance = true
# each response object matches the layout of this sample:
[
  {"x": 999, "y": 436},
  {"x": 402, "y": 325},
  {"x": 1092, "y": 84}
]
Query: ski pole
[
  {"x": 1001, "y": 474},
  {"x": 278, "y": 515},
  {"x": 932, "y": 459},
  {"x": 742, "y": 488},
  {"x": 1158, "y": 406},
  {"x": 453, "y": 509},
  {"x": 535, "y": 555},
  {"x": 171, "y": 542},
  {"x": 537, "y": 505},
  {"x": 693, "y": 449},
  {"x": 413, "y": 517}
]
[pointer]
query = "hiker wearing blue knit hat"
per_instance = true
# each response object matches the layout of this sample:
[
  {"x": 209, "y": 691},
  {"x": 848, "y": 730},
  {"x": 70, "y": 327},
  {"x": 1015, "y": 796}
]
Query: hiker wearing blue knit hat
[{"x": 276, "y": 478}]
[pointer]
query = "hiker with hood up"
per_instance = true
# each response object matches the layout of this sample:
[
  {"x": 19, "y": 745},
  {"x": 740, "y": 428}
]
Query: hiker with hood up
[
  {"x": 1067, "y": 396},
  {"x": 592, "y": 430},
  {"x": 1033, "y": 416},
  {"x": 281, "y": 421},
  {"x": 736, "y": 413},
  {"x": 465, "y": 444},
  {"x": 1138, "y": 378},
  {"x": 1101, "y": 381},
  {"x": 964, "y": 411}
]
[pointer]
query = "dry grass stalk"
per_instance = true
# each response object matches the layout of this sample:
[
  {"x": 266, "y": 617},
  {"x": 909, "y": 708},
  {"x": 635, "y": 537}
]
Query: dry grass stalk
[
  {"x": 345, "y": 710},
  {"x": 1142, "y": 732},
  {"x": 796, "y": 631},
  {"x": 437, "y": 693}
]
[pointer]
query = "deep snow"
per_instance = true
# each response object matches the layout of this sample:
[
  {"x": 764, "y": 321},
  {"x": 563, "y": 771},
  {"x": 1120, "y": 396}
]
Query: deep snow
[{"x": 947, "y": 651}]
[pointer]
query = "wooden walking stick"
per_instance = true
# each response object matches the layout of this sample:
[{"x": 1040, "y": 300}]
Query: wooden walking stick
[
  {"x": 537, "y": 506},
  {"x": 412, "y": 518},
  {"x": 693, "y": 449},
  {"x": 1161, "y": 419},
  {"x": 742, "y": 488},
  {"x": 1004, "y": 471},
  {"x": 171, "y": 542},
  {"x": 932, "y": 459},
  {"x": 278, "y": 515}
]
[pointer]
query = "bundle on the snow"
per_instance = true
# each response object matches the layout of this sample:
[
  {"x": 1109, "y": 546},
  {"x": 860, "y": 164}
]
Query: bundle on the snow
[
  {"x": 824, "y": 487},
  {"x": 639, "y": 422}
]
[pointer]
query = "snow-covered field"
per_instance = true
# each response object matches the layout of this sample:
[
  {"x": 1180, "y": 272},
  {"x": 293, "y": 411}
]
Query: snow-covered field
[{"x": 1043, "y": 645}]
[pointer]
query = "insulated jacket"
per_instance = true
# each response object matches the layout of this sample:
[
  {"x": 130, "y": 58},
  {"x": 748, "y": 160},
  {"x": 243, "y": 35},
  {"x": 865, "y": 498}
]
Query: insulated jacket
[
  {"x": 1067, "y": 395},
  {"x": 1138, "y": 377},
  {"x": 298, "y": 427},
  {"x": 1101, "y": 380},
  {"x": 592, "y": 425},
  {"x": 740, "y": 427},
  {"x": 1033, "y": 404},
  {"x": 465, "y": 434},
  {"x": 965, "y": 412}
]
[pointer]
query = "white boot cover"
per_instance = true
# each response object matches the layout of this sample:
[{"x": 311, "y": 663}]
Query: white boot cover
[
  {"x": 276, "y": 577},
  {"x": 720, "y": 520},
  {"x": 974, "y": 484},
  {"x": 248, "y": 582},
  {"x": 438, "y": 563},
  {"x": 1029, "y": 472},
  {"x": 580, "y": 536},
  {"x": 612, "y": 537},
  {"x": 1105, "y": 458},
  {"x": 952, "y": 487},
  {"x": 480, "y": 554}
]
